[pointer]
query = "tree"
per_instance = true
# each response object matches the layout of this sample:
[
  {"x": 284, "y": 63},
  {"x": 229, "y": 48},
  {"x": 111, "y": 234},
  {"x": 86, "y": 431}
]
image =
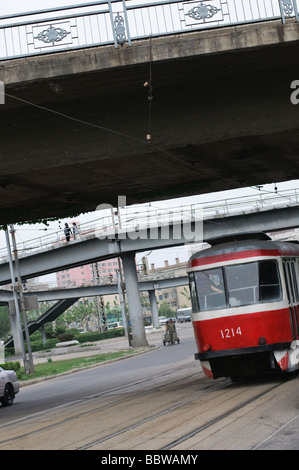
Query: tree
[
  {"x": 33, "y": 315},
  {"x": 78, "y": 313},
  {"x": 186, "y": 293},
  {"x": 113, "y": 311},
  {"x": 165, "y": 310},
  {"x": 5, "y": 327}
]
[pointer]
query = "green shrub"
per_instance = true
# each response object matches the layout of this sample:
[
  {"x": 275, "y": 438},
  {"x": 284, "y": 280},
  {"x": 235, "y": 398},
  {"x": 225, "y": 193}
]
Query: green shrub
[
  {"x": 39, "y": 345},
  {"x": 81, "y": 337},
  {"x": 66, "y": 337},
  {"x": 16, "y": 366},
  {"x": 97, "y": 335},
  {"x": 73, "y": 331}
]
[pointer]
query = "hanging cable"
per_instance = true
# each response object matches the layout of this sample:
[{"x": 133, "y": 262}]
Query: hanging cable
[
  {"x": 150, "y": 95},
  {"x": 171, "y": 155}
]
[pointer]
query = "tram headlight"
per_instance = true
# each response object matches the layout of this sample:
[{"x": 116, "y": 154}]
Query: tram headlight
[
  {"x": 262, "y": 341},
  {"x": 206, "y": 347}
]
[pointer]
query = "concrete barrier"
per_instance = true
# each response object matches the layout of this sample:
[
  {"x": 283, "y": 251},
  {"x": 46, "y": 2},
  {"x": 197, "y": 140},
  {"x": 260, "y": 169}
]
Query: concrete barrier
[{"x": 67, "y": 343}]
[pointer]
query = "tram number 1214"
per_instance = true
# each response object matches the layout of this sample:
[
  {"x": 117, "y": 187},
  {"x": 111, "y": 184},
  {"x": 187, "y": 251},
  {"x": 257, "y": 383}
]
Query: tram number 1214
[{"x": 230, "y": 332}]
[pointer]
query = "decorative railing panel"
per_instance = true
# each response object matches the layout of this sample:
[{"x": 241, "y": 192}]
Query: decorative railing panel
[{"x": 121, "y": 21}]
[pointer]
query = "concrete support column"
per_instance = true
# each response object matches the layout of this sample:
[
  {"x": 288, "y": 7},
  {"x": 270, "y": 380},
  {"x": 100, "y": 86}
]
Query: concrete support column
[
  {"x": 134, "y": 302},
  {"x": 154, "y": 308},
  {"x": 42, "y": 328},
  {"x": 16, "y": 331}
]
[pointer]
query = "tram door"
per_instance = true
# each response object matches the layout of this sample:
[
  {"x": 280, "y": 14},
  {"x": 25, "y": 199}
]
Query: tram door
[{"x": 290, "y": 275}]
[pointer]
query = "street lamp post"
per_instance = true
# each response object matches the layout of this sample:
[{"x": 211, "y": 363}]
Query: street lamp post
[
  {"x": 15, "y": 316},
  {"x": 29, "y": 365}
]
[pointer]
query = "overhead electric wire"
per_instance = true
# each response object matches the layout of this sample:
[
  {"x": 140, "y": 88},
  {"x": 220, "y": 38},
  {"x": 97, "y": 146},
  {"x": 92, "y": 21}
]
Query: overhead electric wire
[
  {"x": 136, "y": 139},
  {"x": 106, "y": 129}
]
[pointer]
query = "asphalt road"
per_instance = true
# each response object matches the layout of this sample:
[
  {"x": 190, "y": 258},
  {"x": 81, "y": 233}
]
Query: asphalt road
[
  {"x": 59, "y": 391},
  {"x": 157, "y": 400}
]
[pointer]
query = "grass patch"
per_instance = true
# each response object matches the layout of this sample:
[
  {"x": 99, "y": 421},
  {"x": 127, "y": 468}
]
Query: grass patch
[{"x": 58, "y": 367}]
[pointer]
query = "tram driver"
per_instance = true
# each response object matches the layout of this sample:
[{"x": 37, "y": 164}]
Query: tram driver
[{"x": 210, "y": 287}]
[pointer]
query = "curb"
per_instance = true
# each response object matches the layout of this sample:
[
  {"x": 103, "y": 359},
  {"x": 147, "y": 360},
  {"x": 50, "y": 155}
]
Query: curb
[{"x": 24, "y": 383}]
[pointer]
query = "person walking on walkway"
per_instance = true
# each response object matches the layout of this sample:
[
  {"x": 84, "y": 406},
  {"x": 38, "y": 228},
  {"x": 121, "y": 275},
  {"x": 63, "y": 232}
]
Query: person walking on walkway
[
  {"x": 75, "y": 230},
  {"x": 67, "y": 232}
]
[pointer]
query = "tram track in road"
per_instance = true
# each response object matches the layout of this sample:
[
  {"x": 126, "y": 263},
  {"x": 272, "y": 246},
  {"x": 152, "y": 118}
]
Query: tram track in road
[
  {"x": 119, "y": 389},
  {"x": 159, "y": 413},
  {"x": 107, "y": 399},
  {"x": 118, "y": 440},
  {"x": 37, "y": 430},
  {"x": 147, "y": 420},
  {"x": 104, "y": 393},
  {"x": 214, "y": 421}
]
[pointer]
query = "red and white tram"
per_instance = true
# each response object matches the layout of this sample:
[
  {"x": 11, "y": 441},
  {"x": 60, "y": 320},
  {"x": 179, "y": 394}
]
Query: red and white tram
[{"x": 245, "y": 304}]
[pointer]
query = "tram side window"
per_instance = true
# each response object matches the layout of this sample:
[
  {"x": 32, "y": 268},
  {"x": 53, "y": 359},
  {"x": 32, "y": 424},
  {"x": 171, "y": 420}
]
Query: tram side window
[
  {"x": 242, "y": 284},
  {"x": 193, "y": 293},
  {"x": 210, "y": 289},
  {"x": 270, "y": 288},
  {"x": 295, "y": 281}
]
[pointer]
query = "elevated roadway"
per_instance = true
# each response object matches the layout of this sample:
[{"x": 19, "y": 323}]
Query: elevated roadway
[
  {"x": 67, "y": 297},
  {"x": 92, "y": 291},
  {"x": 74, "y": 125},
  {"x": 91, "y": 249}
]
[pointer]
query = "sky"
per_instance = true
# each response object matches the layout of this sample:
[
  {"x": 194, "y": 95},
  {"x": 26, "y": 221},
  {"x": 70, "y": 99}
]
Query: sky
[
  {"x": 26, "y": 232},
  {"x": 21, "y": 6}
]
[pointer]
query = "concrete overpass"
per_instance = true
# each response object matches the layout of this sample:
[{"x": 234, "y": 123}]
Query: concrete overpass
[
  {"x": 93, "y": 291},
  {"x": 221, "y": 118},
  {"x": 67, "y": 297},
  {"x": 92, "y": 249}
]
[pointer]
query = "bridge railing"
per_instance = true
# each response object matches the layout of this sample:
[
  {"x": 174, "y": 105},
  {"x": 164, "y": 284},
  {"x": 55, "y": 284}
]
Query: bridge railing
[
  {"x": 137, "y": 217},
  {"x": 121, "y": 21}
]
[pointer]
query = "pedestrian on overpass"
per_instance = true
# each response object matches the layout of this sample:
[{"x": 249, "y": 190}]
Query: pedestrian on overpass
[
  {"x": 67, "y": 232},
  {"x": 75, "y": 230}
]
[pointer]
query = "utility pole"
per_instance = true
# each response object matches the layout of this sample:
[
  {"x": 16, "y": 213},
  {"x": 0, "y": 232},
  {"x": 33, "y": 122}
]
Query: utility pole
[
  {"x": 15, "y": 316},
  {"x": 103, "y": 326},
  {"x": 22, "y": 300},
  {"x": 122, "y": 298}
]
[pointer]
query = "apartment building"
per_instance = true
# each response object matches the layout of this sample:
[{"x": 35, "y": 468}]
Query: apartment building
[
  {"x": 91, "y": 274},
  {"x": 175, "y": 297}
]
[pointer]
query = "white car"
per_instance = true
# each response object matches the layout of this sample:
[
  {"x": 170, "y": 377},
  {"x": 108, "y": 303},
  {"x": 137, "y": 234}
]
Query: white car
[
  {"x": 9, "y": 386},
  {"x": 163, "y": 320}
]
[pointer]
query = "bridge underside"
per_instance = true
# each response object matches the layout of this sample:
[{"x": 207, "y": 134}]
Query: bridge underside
[{"x": 218, "y": 122}]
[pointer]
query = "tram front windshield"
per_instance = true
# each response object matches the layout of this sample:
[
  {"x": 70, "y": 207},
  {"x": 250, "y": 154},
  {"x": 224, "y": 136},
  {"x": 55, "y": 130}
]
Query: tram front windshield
[{"x": 235, "y": 285}]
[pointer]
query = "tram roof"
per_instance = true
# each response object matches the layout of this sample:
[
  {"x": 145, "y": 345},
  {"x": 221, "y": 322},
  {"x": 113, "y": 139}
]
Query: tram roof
[
  {"x": 240, "y": 246},
  {"x": 238, "y": 237}
]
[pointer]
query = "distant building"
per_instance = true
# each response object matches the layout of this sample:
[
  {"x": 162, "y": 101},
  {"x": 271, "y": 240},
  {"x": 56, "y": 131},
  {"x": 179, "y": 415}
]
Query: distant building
[
  {"x": 90, "y": 274},
  {"x": 175, "y": 297}
]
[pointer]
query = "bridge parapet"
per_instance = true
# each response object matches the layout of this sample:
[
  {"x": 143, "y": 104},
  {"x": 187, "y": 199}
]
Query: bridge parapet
[
  {"x": 121, "y": 21},
  {"x": 127, "y": 221}
]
